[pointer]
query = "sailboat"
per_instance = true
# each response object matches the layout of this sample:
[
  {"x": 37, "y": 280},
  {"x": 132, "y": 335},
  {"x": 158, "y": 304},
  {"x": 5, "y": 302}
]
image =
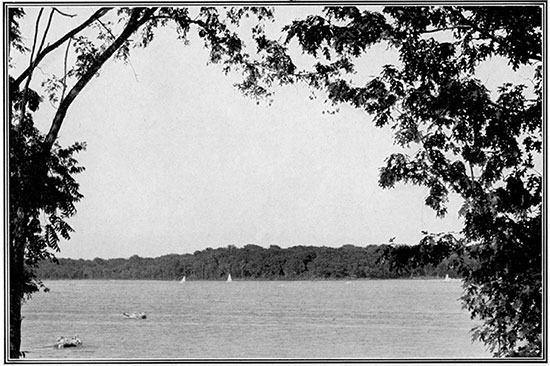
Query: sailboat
[
  {"x": 229, "y": 278},
  {"x": 447, "y": 277},
  {"x": 183, "y": 279}
]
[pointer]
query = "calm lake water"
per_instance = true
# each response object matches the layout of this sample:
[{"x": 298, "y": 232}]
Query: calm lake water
[{"x": 393, "y": 319}]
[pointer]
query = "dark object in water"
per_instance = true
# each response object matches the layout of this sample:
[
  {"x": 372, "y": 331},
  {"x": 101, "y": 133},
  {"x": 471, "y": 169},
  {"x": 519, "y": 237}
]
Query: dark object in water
[
  {"x": 141, "y": 315},
  {"x": 63, "y": 342}
]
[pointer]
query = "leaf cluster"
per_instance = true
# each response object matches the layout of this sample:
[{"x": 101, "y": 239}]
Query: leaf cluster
[{"x": 43, "y": 193}]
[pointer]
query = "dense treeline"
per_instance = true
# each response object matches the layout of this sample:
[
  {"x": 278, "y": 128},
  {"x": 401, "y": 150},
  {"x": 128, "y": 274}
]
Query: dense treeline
[{"x": 274, "y": 263}]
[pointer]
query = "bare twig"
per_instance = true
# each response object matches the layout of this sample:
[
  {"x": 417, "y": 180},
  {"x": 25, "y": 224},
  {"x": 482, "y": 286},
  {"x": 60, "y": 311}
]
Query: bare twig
[
  {"x": 106, "y": 28},
  {"x": 64, "y": 14},
  {"x": 46, "y": 32},
  {"x": 43, "y": 72},
  {"x": 98, "y": 14}
]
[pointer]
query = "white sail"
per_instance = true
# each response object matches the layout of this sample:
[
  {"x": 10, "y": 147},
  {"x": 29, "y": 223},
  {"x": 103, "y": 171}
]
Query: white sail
[
  {"x": 229, "y": 278},
  {"x": 183, "y": 279},
  {"x": 447, "y": 278}
]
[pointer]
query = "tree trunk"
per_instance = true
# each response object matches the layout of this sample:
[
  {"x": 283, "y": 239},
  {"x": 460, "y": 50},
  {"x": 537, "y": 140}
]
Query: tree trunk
[
  {"x": 15, "y": 325},
  {"x": 16, "y": 280}
]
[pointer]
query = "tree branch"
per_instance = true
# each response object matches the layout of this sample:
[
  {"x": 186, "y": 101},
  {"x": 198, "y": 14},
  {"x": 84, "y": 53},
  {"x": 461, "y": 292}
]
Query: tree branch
[
  {"x": 133, "y": 24},
  {"x": 98, "y": 14},
  {"x": 181, "y": 21},
  {"x": 37, "y": 24},
  {"x": 435, "y": 30},
  {"x": 23, "y": 105}
]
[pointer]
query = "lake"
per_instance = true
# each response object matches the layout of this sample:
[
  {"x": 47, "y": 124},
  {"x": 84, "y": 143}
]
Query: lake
[{"x": 379, "y": 319}]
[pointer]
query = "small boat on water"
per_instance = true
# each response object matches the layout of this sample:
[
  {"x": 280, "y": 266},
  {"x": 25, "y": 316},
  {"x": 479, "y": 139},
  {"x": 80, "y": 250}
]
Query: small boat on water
[
  {"x": 229, "y": 278},
  {"x": 141, "y": 315},
  {"x": 183, "y": 279},
  {"x": 63, "y": 342},
  {"x": 447, "y": 278}
]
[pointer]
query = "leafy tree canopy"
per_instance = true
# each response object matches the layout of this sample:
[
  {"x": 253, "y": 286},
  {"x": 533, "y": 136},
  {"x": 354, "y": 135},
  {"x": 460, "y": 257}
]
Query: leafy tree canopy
[
  {"x": 43, "y": 190},
  {"x": 484, "y": 145}
]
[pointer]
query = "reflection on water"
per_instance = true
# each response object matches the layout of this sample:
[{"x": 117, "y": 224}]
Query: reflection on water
[{"x": 251, "y": 319}]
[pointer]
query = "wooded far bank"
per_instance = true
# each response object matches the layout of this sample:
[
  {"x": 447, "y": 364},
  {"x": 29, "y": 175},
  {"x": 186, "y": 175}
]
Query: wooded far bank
[{"x": 435, "y": 259}]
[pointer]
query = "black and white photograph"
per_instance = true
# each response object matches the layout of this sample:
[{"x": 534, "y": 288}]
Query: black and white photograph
[{"x": 275, "y": 182}]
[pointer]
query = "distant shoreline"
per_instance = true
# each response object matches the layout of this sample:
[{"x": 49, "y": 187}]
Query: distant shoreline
[
  {"x": 261, "y": 280},
  {"x": 255, "y": 263}
]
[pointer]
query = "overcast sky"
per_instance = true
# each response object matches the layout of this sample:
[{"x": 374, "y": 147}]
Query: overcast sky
[{"x": 177, "y": 161}]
